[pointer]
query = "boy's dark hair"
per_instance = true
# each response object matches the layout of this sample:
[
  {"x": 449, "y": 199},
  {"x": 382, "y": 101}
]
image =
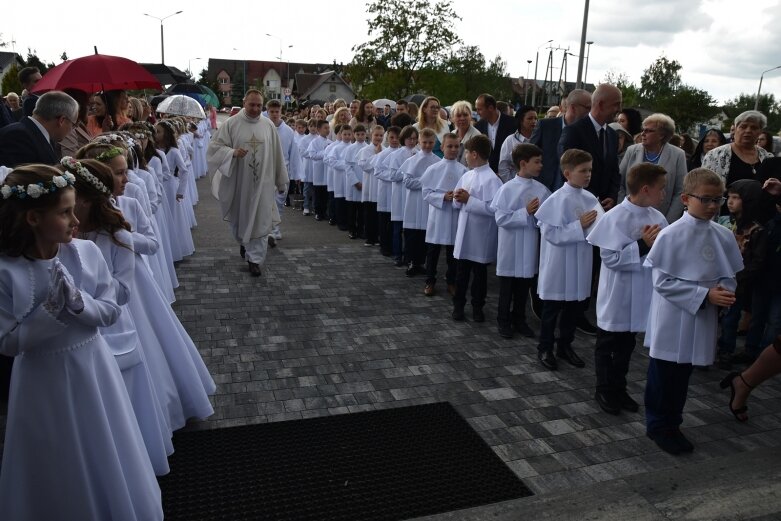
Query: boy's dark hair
[
  {"x": 320, "y": 123},
  {"x": 275, "y": 103},
  {"x": 359, "y": 128},
  {"x": 394, "y": 130},
  {"x": 574, "y": 157},
  {"x": 524, "y": 152},
  {"x": 643, "y": 174},
  {"x": 345, "y": 127},
  {"x": 407, "y": 132},
  {"x": 338, "y": 128},
  {"x": 480, "y": 144},
  {"x": 401, "y": 120}
]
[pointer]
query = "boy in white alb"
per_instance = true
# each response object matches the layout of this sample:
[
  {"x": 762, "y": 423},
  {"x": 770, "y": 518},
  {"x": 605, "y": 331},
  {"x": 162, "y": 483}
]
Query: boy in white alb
[
  {"x": 515, "y": 204},
  {"x": 369, "y": 185},
  {"x": 437, "y": 184},
  {"x": 384, "y": 193},
  {"x": 303, "y": 146},
  {"x": 415, "y": 208},
  {"x": 624, "y": 236},
  {"x": 476, "y": 235},
  {"x": 565, "y": 258},
  {"x": 334, "y": 158},
  {"x": 409, "y": 140},
  {"x": 693, "y": 262},
  {"x": 353, "y": 183},
  {"x": 316, "y": 152}
]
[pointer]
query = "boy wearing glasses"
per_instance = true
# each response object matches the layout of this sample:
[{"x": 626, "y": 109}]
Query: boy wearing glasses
[{"x": 693, "y": 262}]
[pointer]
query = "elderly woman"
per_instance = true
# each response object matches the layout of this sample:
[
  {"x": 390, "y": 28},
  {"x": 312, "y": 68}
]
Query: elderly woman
[
  {"x": 429, "y": 117},
  {"x": 656, "y": 132},
  {"x": 461, "y": 114},
  {"x": 740, "y": 159}
]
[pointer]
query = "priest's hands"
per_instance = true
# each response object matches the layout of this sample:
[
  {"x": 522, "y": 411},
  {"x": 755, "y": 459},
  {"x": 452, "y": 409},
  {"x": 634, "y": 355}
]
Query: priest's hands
[
  {"x": 461, "y": 195},
  {"x": 239, "y": 152},
  {"x": 588, "y": 218},
  {"x": 533, "y": 205},
  {"x": 721, "y": 297},
  {"x": 650, "y": 232}
]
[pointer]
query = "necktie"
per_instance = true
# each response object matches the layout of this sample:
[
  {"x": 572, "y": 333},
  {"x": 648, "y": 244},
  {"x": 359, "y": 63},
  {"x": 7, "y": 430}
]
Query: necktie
[{"x": 602, "y": 142}]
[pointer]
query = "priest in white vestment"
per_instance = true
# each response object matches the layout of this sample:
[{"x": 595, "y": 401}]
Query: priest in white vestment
[{"x": 248, "y": 167}]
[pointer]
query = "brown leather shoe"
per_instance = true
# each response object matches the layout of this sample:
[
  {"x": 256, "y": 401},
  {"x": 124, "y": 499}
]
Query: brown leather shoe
[{"x": 429, "y": 291}]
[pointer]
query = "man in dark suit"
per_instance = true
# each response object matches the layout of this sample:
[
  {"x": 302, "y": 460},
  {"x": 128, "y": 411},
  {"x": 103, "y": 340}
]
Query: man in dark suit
[
  {"x": 28, "y": 77},
  {"x": 34, "y": 139},
  {"x": 495, "y": 125},
  {"x": 548, "y": 131},
  {"x": 593, "y": 135}
]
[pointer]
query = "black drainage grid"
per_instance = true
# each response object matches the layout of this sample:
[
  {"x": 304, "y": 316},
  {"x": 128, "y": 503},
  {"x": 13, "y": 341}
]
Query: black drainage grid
[{"x": 380, "y": 465}]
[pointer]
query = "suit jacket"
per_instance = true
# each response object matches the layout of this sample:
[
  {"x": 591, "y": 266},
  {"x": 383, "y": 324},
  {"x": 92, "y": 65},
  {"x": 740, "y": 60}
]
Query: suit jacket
[
  {"x": 22, "y": 143},
  {"x": 507, "y": 126},
  {"x": 605, "y": 178},
  {"x": 546, "y": 136}
]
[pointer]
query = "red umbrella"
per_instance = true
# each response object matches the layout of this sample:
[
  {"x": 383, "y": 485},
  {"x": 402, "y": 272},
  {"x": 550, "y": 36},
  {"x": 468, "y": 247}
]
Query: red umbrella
[{"x": 95, "y": 73}]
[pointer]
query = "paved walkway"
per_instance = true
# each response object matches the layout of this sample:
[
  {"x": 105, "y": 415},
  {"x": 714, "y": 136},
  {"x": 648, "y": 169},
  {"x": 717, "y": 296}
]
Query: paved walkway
[{"x": 333, "y": 328}]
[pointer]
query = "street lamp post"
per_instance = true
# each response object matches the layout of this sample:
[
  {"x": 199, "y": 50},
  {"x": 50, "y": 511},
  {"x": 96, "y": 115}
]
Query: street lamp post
[
  {"x": 280, "y": 58},
  {"x": 536, "y": 61},
  {"x": 588, "y": 53},
  {"x": 162, "y": 38},
  {"x": 526, "y": 84},
  {"x": 190, "y": 65},
  {"x": 579, "y": 84},
  {"x": 756, "y": 103}
]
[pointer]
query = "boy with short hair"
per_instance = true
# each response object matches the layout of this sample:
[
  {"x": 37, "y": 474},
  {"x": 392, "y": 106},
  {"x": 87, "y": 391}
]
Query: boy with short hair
[
  {"x": 564, "y": 284},
  {"x": 353, "y": 183},
  {"x": 415, "y": 215},
  {"x": 476, "y": 235},
  {"x": 303, "y": 146},
  {"x": 437, "y": 184},
  {"x": 384, "y": 194},
  {"x": 369, "y": 184},
  {"x": 694, "y": 262},
  {"x": 515, "y": 204},
  {"x": 624, "y": 236},
  {"x": 334, "y": 158},
  {"x": 316, "y": 152}
]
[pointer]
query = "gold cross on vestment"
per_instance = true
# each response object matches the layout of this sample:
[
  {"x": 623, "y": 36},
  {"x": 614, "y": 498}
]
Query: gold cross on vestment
[{"x": 254, "y": 143}]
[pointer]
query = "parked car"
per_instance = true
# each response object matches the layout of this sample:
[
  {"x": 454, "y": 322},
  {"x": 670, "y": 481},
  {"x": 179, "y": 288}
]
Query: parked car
[{"x": 235, "y": 110}]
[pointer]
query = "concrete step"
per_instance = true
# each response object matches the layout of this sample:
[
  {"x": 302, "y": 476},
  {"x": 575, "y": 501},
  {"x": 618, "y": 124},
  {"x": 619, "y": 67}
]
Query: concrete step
[{"x": 744, "y": 486}]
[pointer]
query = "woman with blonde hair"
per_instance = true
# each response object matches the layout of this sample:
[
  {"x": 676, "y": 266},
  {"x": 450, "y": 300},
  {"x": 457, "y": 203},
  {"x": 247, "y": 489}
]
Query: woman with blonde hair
[
  {"x": 429, "y": 117},
  {"x": 461, "y": 114}
]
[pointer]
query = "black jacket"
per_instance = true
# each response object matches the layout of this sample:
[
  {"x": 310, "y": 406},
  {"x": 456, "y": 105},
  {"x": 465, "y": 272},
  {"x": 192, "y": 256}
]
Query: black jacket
[
  {"x": 22, "y": 143},
  {"x": 605, "y": 178},
  {"x": 507, "y": 126}
]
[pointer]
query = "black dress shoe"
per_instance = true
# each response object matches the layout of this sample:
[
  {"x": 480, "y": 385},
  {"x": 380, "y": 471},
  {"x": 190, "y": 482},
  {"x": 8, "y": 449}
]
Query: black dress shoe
[
  {"x": 667, "y": 441},
  {"x": 411, "y": 271},
  {"x": 607, "y": 402},
  {"x": 626, "y": 402},
  {"x": 242, "y": 251},
  {"x": 524, "y": 329},
  {"x": 458, "y": 315},
  {"x": 254, "y": 269},
  {"x": 505, "y": 331},
  {"x": 568, "y": 354},
  {"x": 399, "y": 263},
  {"x": 272, "y": 242},
  {"x": 683, "y": 442},
  {"x": 318, "y": 218},
  {"x": 547, "y": 359},
  {"x": 477, "y": 315},
  {"x": 331, "y": 222}
]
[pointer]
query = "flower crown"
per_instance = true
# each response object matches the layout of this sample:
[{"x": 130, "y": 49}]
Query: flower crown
[
  {"x": 75, "y": 166},
  {"x": 35, "y": 190},
  {"x": 109, "y": 154}
]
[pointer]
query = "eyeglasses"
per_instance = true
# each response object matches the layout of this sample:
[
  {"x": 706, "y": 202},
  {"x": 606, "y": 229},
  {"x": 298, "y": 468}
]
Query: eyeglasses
[
  {"x": 648, "y": 131},
  {"x": 709, "y": 200}
]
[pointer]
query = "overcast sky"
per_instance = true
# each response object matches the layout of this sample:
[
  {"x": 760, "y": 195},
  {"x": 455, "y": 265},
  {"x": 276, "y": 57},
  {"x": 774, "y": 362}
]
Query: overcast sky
[{"x": 723, "y": 45}]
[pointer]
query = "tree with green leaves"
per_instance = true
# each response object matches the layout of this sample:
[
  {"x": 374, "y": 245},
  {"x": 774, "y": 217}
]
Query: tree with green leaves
[
  {"x": 767, "y": 106},
  {"x": 406, "y": 37},
  {"x": 11, "y": 81}
]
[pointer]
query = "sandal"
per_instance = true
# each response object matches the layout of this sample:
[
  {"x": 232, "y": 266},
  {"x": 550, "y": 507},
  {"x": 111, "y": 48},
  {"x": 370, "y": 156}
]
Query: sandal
[{"x": 739, "y": 413}]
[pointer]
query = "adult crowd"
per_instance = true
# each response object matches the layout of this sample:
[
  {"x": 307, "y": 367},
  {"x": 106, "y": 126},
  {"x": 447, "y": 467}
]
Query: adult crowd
[{"x": 590, "y": 207}]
